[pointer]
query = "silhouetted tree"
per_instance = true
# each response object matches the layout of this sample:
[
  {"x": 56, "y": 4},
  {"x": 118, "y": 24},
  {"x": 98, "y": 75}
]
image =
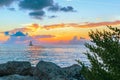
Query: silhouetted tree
[{"x": 104, "y": 55}]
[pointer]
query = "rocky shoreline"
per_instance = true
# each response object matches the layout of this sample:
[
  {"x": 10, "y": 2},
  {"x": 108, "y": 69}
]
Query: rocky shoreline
[{"x": 22, "y": 70}]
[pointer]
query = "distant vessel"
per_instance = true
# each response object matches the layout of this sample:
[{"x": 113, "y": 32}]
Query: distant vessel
[{"x": 30, "y": 44}]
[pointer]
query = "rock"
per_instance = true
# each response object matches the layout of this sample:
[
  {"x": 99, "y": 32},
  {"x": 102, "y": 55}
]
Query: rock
[
  {"x": 32, "y": 70},
  {"x": 4, "y": 70},
  {"x": 59, "y": 78},
  {"x": 48, "y": 71},
  {"x": 18, "y": 77},
  {"x": 15, "y": 67},
  {"x": 22, "y": 70},
  {"x": 73, "y": 72}
]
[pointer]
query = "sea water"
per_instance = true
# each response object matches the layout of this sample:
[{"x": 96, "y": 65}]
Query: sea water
[{"x": 62, "y": 55}]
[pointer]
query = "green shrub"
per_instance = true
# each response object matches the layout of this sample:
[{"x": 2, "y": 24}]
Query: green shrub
[{"x": 104, "y": 55}]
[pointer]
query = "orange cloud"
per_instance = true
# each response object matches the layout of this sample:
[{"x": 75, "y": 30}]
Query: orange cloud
[
  {"x": 35, "y": 29},
  {"x": 85, "y": 25},
  {"x": 3, "y": 38},
  {"x": 89, "y": 25},
  {"x": 60, "y": 32},
  {"x": 29, "y": 29},
  {"x": 61, "y": 25}
]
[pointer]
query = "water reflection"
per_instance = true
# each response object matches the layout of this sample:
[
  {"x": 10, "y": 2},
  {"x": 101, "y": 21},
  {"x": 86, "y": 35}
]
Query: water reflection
[
  {"x": 34, "y": 54},
  {"x": 62, "y": 56},
  {"x": 34, "y": 49}
]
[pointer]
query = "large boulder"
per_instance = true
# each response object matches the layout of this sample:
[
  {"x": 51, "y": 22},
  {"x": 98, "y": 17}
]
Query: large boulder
[
  {"x": 32, "y": 71},
  {"x": 4, "y": 70},
  {"x": 18, "y": 77},
  {"x": 73, "y": 72},
  {"x": 22, "y": 70},
  {"x": 15, "y": 67},
  {"x": 48, "y": 71}
]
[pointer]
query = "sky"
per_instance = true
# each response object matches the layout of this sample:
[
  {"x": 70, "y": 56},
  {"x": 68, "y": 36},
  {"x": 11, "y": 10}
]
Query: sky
[{"x": 55, "y": 21}]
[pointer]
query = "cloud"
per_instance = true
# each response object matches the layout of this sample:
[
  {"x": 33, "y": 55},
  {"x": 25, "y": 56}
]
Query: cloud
[
  {"x": 6, "y": 33},
  {"x": 44, "y": 36},
  {"x": 75, "y": 40},
  {"x": 54, "y": 26},
  {"x": 67, "y": 9},
  {"x": 37, "y": 14},
  {"x": 29, "y": 28},
  {"x": 53, "y": 16},
  {"x": 18, "y": 40},
  {"x": 85, "y": 25},
  {"x": 11, "y": 9},
  {"x": 3, "y": 37},
  {"x": 6, "y": 2},
  {"x": 36, "y": 7},
  {"x": 35, "y": 4},
  {"x": 15, "y": 38},
  {"x": 100, "y": 24},
  {"x": 56, "y": 8},
  {"x": 18, "y": 34}
]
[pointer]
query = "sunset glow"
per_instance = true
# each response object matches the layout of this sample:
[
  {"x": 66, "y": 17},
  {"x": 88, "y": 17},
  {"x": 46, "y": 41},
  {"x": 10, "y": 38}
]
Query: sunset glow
[{"x": 54, "y": 23}]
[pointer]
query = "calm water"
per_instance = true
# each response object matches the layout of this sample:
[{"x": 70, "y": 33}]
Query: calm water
[{"x": 64, "y": 55}]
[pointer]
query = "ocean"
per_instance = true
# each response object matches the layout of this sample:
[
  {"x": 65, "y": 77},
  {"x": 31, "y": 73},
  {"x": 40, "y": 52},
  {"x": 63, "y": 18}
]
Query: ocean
[{"x": 62, "y": 55}]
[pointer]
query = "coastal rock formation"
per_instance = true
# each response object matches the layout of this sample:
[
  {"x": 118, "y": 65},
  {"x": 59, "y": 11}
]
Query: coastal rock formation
[
  {"x": 18, "y": 77},
  {"x": 73, "y": 72},
  {"x": 15, "y": 67},
  {"x": 47, "y": 70},
  {"x": 22, "y": 70}
]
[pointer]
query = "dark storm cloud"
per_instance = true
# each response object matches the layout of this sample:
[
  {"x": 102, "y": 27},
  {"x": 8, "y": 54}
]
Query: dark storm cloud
[
  {"x": 35, "y": 4},
  {"x": 37, "y": 14},
  {"x": 6, "y": 2}
]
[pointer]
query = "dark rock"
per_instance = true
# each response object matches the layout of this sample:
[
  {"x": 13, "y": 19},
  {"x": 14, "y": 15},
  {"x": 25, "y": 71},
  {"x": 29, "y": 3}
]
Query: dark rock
[
  {"x": 73, "y": 72},
  {"x": 18, "y": 77},
  {"x": 4, "y": 70},
  {"x": 22, "y": 70},
  {"x": 15, "y": 67},
  {"x": 48, "y": 71},
  {"x": 32, "y": 70}
]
